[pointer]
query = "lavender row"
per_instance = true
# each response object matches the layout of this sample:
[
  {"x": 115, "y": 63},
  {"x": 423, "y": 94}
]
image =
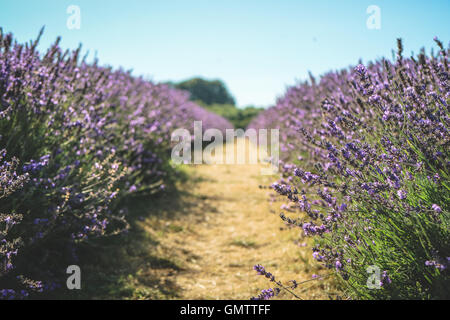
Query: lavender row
[
  {"x": 366, "y": 162},
  {"x": 75, "y": 138}
]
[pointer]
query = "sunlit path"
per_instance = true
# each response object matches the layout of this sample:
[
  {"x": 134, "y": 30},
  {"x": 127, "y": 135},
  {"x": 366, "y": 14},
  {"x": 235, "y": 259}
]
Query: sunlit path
[{"x": 232, "y": 228}]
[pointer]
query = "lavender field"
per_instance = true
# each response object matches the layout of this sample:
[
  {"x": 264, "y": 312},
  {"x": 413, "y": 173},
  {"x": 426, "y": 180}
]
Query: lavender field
[
  {"x": 366, "y": 162},
  {"x": 76, "y": 140},
  {"x": 358, "y": 207}
]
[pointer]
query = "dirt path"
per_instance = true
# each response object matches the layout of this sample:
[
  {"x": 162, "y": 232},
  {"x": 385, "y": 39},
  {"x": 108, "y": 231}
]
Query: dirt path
[{"x": 227, "y": 225}]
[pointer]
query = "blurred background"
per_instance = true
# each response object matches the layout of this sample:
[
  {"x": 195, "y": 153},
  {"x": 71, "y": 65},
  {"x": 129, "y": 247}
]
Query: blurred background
[{"x": 255, "y": 48}]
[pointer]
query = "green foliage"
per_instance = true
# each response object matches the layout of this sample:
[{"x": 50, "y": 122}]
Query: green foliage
[
  {"x": 207, "y": 91},
  {"x": 398, "y": 241},
  {"x": 214, "y": 96},
  {"x": 240, "y": 118}
]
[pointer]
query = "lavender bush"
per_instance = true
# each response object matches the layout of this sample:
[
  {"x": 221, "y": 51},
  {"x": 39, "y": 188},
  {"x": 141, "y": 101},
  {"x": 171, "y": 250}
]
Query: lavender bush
[
  {"x": 75, "y": 138},
  {"x": 367, "y": 162}
]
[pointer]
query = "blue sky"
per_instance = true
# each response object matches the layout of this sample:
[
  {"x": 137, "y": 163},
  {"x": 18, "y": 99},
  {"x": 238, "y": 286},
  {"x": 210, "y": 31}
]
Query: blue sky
[{"x": 257, "y": 47}]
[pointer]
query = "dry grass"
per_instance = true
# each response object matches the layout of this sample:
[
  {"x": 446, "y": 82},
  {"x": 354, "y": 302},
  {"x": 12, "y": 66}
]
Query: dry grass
[
  {"x": 230, "y": 226},
  {"x": 201, "y": 242}
]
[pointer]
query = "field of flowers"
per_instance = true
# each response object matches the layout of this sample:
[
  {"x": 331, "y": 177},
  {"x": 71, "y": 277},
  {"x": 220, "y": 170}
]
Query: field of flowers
[
  {"x": 75, "y": 139},
  {"x": 366, "y": 163}
]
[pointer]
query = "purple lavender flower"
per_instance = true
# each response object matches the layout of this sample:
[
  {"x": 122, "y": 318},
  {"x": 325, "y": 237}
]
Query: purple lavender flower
[
  {"x": 259, "y": 269},
  {"x": 436, "y": 208},
  {"x": 401, "y": 194},
  {"x": 267, "y": 294}
]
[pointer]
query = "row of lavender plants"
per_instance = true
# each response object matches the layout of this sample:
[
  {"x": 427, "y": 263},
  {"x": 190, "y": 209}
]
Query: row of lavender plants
[
  {"x": 366, "y": 162},
  {"x": 75, "y": 138}
]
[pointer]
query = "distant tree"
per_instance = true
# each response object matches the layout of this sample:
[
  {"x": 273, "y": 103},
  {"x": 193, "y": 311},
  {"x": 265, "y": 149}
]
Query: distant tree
[
  {"x": 207, "y": 91},
  {"x": 239, "y": 117}
]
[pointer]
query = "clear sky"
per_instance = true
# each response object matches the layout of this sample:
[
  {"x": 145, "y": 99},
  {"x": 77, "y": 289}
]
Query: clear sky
[{"x": 256, "y": 47}]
